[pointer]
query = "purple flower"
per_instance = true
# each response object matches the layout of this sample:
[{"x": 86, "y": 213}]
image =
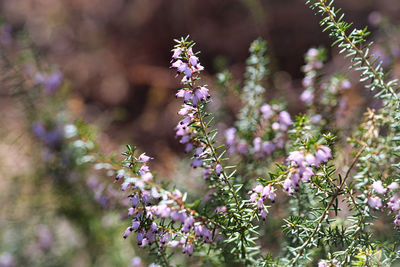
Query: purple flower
[
  {"x": 375, "y": 202},
  {"x": 266, "y": 111},
  {"x": 164, "y": 238},
  {"x": 198, "y": 151},
  {"x": 164, "y": 211},
  {"x": 139, "y": 238},
  {"x": 119, "y": 175},
  {"x": 345, "y": 84},
  {"x": 193, "y": 60},
  {"x": 218, "y": 169},
  {"x": 53, "y": 81},
  {"x": 242, "y": 148},
  {"x": 7, "y": 260},
  {"x": 268, "y": 147},
  {"x": 312, "y": 53},
  {"x": 257, "y": 144},
  {"x": 131, "y": 211},
  {"x": 187, "y": 224},
  {"x": 135, "y": 224},
  {"x": 144, "y": 169},
  {"x": 147, "y": 176},
  {"x": 287, "y": 186},
  {"x": 307, "y": 97},
  {"x": 207, "y": 235},
  {"x": 393, "y": 186},
  {"x": 378, "y": 187},
  {"x": 258, "y": 189},
  {"x": 177, "y": 193},
  {"x": 394, "y": 203},
  {"x": 177, "y": 53},
  {"x": 284, "y": 118},
  {"x": 275, "y": 126},
  {"x": 230, "y": 136},
  {"x": 220, "y": 209},
  {"x": 144, "y": 158},
  {"x": 136, "y": 262},
  {"x": 185, "y": 110},
  {"x": 263, "y": 214},
  {"x": 323, "y": 154},
  {"x": 307, "y": 81},
  {"x": 173, "y": 243},
  {"x": 128, "y": 231},
  {"x": 316, "y": 118},
  {"x": 188, "y": 248},
  {"x": 310, "y": 159},
  {"x": 306, "y": 174},
  {"x": 260, "y": 204},
  {"x": 397, "y": 220},
  {"x": 188, "y": 147},
  {"x": 196, "y": 162},
  {"x": 178, "y": 216},
  {"x": 297, "y": 157},
  {"x": 125, "y": 186},
  {"x": 253, "y": 197}
]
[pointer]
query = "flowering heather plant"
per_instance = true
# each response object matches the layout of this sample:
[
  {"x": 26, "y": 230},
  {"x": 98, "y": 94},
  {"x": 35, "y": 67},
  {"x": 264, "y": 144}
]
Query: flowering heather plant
[
  {"x": 331, "y": 208},
  {"x": 329, "y": 197},
  {"x": 227, "y": 224}
]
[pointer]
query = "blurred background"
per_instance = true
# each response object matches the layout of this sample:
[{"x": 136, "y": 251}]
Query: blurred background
[{"x": 115, "y": 56}]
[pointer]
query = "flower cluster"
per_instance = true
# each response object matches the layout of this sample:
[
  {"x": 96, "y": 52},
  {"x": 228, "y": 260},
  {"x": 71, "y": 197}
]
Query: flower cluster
[
  {"x": 159, "y": 216},
  {"x": 185, "y": 61},
  {"x": 379, "y": 191},
  {"x": 322, "y": 98},
  {"x": 273, "y": 126},
  {"x": 259, "y": 194},
  {"x": 301, "y": 166}
]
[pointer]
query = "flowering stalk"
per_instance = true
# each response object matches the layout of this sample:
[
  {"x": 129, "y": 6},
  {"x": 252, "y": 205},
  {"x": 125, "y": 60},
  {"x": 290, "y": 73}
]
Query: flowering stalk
[{"x": 193, "y": 132}]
